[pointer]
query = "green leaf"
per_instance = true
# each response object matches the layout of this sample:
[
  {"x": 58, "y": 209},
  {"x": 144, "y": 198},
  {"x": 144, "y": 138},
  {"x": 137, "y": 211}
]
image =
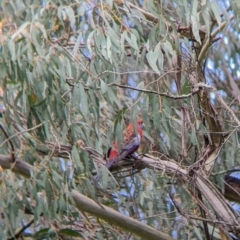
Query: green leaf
[
  {"x": 195, "y": 21},
  {"x": 20, "y": 30},
  {"x": 57, "y": 179},
  {"x": 217, "y": 11},
  {"x": 83, "y": 101},
  {"x": 112, "y": 97},
  {"x": 152, "y": 57},
  {"x": 104, "y": 86},
  {"x": 3, "y": 70},
  {"x": 138, "y": 13},
  {"x": 71, "y": 15},
  {"x": 69, "y": 232},
  {"x": 206, "y": 18},
  {"x": 195, "y": 28},
  {"x": 81, "y": 9},
  {"x": 76, "y": 46},
  {"x": 120, "y": 115},
  {"x": 109, "y": 52},
  {"x": 41, "y": 28},
  {"x": 186, "y": 87},
  {"x": 110, "y": 3},
  {"x": 11, "y": 47},
  {"x": 76, "y": 158},
  {"x": 194, "y": 140},
  {"x": 160, "y": 60},
  {"x": 41, "y": 234},
  {"x": 167, "y": 47},
  {"x": 36, "y": 40},
  {"x": 48, "y": 190},
  {"x": 59, "y": 13},
  {"x": 76, "y": 98},
  {"x": 132, "y": 40}
]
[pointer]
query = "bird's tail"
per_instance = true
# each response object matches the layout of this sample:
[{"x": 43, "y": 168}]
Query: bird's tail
[
  {"x": 109, "y": 164},
  {"x": 115, "y": 160}
]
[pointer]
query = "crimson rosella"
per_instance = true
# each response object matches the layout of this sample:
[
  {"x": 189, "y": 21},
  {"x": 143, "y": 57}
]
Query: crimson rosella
[{"x": 131, "y": 143}]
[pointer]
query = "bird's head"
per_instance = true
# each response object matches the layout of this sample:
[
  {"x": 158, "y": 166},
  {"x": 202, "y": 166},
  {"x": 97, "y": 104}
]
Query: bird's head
[{"x": 140, "y": 123}]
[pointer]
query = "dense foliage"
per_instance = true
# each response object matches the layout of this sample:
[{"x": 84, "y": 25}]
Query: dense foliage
[{"x": 75, "y": 73}]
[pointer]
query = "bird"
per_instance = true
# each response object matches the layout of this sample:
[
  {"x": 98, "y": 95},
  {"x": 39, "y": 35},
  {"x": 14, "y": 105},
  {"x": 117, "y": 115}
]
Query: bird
[{"x": 130, "y": 144}]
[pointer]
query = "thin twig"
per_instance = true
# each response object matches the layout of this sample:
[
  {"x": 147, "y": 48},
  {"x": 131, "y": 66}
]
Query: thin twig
[
  {"x": 10, "y": 143},
  {"x": 18, "y": 133},
  {"x": 144, "y": 12},
  {"x": 155, "y": 92},
  {"x": 19, "y": 233}
]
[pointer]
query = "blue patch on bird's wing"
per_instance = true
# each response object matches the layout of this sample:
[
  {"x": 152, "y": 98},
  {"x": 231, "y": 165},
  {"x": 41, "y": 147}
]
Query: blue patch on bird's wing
[{"x": 132, "y": 144}]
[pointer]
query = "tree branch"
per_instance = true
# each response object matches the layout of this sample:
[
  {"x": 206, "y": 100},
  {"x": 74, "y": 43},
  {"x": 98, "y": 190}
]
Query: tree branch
[
  {"x": 86, "y": 204},
  {"x": 19, "y": 167},
  {"x": 221, "y": 101},
  {"x": 195, "y": 176}
]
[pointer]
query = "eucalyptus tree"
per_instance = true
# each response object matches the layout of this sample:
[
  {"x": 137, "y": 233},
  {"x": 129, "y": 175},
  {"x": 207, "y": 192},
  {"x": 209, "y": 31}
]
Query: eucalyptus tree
[{"x": 74, "y": 74}]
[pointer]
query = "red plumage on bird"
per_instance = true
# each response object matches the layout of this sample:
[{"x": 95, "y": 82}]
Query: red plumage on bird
[{"x": 130, "y": 144}]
